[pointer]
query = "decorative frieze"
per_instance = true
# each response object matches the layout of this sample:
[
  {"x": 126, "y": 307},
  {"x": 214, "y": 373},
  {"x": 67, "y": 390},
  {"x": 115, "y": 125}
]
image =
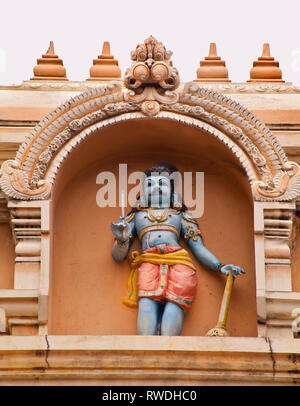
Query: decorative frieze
[{"x": 225, "y": 88}]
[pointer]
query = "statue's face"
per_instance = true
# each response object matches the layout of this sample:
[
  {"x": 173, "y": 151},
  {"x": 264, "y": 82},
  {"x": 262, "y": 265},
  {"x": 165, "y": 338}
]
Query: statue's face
[{"x": 158, "y": 190}]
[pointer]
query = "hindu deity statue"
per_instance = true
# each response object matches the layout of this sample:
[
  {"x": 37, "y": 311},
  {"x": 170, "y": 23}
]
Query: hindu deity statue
[{"x": 163, "y": 280}]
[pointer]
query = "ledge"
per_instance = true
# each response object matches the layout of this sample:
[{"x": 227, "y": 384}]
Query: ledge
[
  {"x": 148, "y": 360},
  {"x": 19, "y": 302}
]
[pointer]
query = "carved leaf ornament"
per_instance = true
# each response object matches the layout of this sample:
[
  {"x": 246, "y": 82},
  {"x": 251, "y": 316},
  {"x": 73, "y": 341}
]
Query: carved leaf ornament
[{"x": 151, "y": 90}]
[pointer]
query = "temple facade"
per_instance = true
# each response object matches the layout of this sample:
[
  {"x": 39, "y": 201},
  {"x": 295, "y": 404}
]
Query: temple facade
[{"x": 62, "y": 321}]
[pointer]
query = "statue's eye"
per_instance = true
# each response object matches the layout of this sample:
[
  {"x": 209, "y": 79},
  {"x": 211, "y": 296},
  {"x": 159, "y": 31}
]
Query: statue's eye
[
  {"x": 163, "y": 182},
  {"x": 149, "y": 183}
]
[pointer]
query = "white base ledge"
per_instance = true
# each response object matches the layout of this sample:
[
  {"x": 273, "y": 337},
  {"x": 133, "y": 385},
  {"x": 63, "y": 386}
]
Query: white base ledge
[{"x": 148, "y": 360}]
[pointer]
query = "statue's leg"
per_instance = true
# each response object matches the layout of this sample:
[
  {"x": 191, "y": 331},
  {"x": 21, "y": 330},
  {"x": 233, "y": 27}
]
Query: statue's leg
[
  {"x": 148, "y": 316},
  {"x": 172, "y": 320}
]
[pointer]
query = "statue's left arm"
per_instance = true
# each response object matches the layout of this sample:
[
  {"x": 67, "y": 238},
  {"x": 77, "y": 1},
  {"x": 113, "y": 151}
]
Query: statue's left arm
[{"x": 192, "y": 235}]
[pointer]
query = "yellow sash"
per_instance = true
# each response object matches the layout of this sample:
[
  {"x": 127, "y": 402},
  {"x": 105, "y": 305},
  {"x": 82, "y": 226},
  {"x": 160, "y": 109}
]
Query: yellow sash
[{"x": 135, "y": 259}]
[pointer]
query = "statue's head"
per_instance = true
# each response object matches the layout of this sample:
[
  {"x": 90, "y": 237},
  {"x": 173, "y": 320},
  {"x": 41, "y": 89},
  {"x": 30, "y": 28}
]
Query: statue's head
[{"x": 158, "y": 186}]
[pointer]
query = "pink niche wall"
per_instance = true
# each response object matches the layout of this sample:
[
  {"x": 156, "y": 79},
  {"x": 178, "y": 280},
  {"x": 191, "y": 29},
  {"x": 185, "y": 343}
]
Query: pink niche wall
[{"x": 87, "y": 285}]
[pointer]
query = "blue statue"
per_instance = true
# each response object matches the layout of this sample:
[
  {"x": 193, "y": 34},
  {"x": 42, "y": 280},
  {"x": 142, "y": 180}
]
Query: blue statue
[{"x": 163, "y": 279}]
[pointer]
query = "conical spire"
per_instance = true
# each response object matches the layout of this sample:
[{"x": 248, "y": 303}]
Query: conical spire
[
  {"x": 49, "y": 67},
  {"x": 105, "y": 67},
  {"x": 50, "y": 52},
  {"x": 212, "y": 69},
  {"x": 265, "y": 69}
]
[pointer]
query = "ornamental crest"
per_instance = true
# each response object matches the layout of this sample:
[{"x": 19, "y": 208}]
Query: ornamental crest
[{"x": 151, "y": 79}]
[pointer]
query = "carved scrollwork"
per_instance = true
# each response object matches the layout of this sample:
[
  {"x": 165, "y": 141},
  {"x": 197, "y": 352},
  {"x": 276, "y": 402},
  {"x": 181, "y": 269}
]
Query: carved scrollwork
[
  {"x": 14, "y": 182},
  {"x": 150, "y": 99},
  {"x": 235, "y": 132},
  {"x": 75, "y": 126},
  {"x": 285, "y": 185},
  {"x": 277, "y": 179}
]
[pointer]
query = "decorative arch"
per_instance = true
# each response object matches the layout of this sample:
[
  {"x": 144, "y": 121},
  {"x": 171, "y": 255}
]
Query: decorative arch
[
  {"x": 151, "y": 89},
  {"x": 31, "y": 174}
]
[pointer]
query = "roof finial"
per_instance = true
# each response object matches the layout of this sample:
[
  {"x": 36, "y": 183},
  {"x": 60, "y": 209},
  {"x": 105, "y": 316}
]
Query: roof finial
[
  {"x": 106, "y": 49},
  {"x": 265, "y": 69},
  {"x": 50, "y": 50},
  {"x": 212, "y": 68},
  {"x": 266, "y": 51},
  {"x": 105, "y": 67},
  {"x": 213, "y": 51},
  {"x": 49, "y": 67}
]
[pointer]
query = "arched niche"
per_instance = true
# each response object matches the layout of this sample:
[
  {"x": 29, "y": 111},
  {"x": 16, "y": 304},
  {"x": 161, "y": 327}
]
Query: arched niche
[
  {"x": 87, "y": 286},
  {"x": 246, "y": 169}
]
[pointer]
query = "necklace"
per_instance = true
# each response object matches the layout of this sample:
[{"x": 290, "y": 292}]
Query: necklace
[{"x": 158, "y": 217}]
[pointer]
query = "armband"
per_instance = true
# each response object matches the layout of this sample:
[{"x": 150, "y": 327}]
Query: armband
[{"x": 193, "y": 233}]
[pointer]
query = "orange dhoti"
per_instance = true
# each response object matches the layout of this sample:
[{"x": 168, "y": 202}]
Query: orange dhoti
[{"x": 162, "y": 273}]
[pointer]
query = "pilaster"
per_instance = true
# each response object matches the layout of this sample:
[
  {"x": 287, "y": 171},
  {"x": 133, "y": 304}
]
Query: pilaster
[
  {"x": 30, "y": 227},
  {"x": 273, "y": 241}
]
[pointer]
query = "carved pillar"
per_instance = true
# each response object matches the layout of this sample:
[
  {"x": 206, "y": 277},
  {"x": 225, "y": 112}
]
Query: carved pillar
[
  {"x": 273, "y": 240},
  {"x": 278, "y": 224},
  {"x": 26, "y": 227},
  {"x": 30, "y": 226}
]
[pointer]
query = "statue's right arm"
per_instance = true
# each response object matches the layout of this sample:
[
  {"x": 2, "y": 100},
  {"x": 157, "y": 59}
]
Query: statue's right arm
[{"x": 123, "y": 238}]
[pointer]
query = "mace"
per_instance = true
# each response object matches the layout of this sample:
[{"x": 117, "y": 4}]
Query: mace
[{"x": 220, "y": 329}]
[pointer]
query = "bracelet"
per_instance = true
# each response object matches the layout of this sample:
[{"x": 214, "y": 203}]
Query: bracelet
[
  {"x": 219, "y": 266},
  {"x": 122, "y": 243}
]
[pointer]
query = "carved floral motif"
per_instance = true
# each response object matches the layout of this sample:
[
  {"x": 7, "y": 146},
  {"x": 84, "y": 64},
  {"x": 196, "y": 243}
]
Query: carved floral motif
[
  {"x": 151, "y": 78},
  {"x": 14, "y": 182}
]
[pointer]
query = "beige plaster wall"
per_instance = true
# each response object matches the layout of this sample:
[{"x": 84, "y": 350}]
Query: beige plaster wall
[{"x": 86, "y": 285}]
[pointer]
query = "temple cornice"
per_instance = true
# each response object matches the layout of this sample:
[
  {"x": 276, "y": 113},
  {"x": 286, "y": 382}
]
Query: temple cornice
[{"x": 151, "y": 85}]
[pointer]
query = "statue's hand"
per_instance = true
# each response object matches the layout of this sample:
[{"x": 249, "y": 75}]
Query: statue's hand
[
  {"x": 121, "y": 230},
  {"x": 236, "y": 270}
]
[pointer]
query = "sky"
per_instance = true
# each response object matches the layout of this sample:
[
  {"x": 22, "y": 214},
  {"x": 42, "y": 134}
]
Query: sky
[{"x": 186, "y": 27}]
